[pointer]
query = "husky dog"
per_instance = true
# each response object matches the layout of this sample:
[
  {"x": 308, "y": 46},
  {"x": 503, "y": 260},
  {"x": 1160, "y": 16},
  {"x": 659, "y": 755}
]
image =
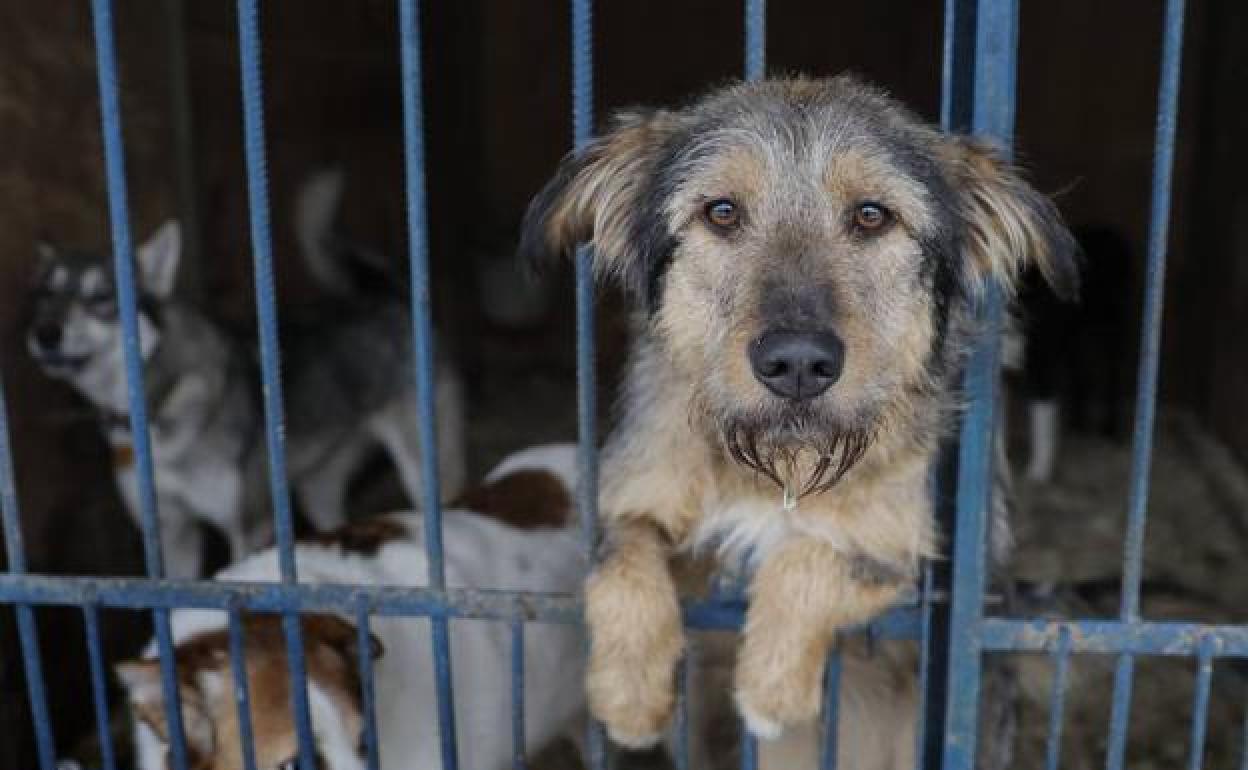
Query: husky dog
[
  {"x": 348, "y": 387},
  {"x": 203, "y": 412},
  {"x": 805, "y": 256},
  {"x": 518, "y": 531}
]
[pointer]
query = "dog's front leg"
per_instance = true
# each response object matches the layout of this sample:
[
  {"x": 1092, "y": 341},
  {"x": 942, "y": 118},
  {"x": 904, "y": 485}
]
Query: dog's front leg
[
  {"x": 635, "y": 632},
  {"x": 802, "y": 594}
]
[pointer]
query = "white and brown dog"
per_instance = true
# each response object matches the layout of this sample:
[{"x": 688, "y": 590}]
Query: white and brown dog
[{"x": 516, "y": 532}]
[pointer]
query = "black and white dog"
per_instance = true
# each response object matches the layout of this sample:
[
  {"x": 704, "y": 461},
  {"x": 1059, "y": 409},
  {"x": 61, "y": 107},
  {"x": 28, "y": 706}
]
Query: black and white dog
[
  {"x": 348, "y": 389},
  {"x": 1068, "y": 358}
]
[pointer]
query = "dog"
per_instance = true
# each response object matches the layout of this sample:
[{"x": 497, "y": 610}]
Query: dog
[
  {"x": 806, "y": 256},
  {"x": 1071, "y": 357},
  {"x": 348, "y": 387},
  {"x": 523, "y": 535}
]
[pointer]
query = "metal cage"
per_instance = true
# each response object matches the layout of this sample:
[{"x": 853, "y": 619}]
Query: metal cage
[{"x": 978, "y": 95}]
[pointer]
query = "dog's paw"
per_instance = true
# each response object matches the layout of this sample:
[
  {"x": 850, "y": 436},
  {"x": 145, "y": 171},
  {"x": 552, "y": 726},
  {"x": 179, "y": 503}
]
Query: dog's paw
[
  {"x": 636, "y": 642},
  {"x": 773, "y": 697},
  {"x": 633, "y": 702}
]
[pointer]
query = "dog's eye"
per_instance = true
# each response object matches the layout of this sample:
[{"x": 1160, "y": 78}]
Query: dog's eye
[
  {"x": 871, "y": 216},
  {"x": 723, "y": 214}
]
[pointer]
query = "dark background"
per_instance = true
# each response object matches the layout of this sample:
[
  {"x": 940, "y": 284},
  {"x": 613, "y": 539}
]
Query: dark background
[{"x": 498, "y": 88}]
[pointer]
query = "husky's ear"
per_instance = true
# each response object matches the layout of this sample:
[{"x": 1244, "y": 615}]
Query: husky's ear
[
  {"x": 158, "y": 258},
  {"x": 1008, "y": 225},
  {"x": 142, "y": 681},
  {"x": 45, "y": 254},
  {"x": 604, "y": 195}
]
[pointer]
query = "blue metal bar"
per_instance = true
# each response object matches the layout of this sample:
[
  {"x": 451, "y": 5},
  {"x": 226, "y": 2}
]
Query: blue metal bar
[
  {"x": 996, "y": 51},
  {"x": 1200, "y": 706},
  {"x": 99, "y": 684},
  {"x": 831, "y": 701},
  {"x": 586, "y": 389},
  {"x": 123, "y": 265},
  {"x": 755, "y": 39},
  {"x": 582, "y": 23},
  {"x": 270, "y": 354},
  {"x": 1113, "y": 636},
  {"x": 683, "y": 674},
  {"x": 368, "y": 689},
  {"x": 1120, "y": 713},
  {"x": 749, "y": 749},
  {"x": 402, "y": 601},
  {"x": 28, "y": 636},
  {"x": 266, "y": 290},
  {"x": 418, "y": 253},
  {"x": 518, "y": 758},
  {"x": 123, "y": 257},
  {"x": 1154, "y": 282},
  {"x": 418, "y": 257},
  {"x": 1057, "y": 700},
  {"x": 242, "y": 690},
  {"x": 957, "y": 65}
]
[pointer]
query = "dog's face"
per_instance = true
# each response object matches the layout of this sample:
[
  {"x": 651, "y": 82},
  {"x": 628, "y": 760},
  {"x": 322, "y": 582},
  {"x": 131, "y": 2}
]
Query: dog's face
[
  {"x": 210, "y": 711},
  {"x": 807, "y": 252},
  {"x": 75, "y": 331}
]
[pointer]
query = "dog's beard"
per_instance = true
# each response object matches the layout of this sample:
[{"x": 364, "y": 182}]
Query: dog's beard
[{"x": 801, "y": 450}]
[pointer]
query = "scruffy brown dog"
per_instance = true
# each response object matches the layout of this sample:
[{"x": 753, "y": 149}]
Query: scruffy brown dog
[{"x": 806, "y": 255}]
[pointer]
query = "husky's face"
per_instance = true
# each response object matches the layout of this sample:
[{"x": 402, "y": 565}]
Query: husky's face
[{"x": 75, "y": 332}]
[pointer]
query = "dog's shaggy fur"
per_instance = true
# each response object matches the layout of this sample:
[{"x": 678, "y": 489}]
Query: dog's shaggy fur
[{"x": 847, "y": 216}]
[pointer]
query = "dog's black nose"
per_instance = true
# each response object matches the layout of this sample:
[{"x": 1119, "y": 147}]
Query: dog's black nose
[
  {"x": 48, "y": 335},
  {"x": 797, "y": 365}
]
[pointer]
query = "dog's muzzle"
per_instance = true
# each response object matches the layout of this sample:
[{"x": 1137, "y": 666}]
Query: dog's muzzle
[{"x": 797, "y": 365}]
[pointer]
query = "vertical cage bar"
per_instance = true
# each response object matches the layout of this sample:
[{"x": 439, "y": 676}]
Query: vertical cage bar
[
  {"x": 242, "y": 689},
  {"x": 956, "y": 97},
  {"x": 368, "y": 688},
  {"x": 957, "y": 64},
  {"x": 418, "y": 257},
  {"x": 831, "y": 701},
  {"x": 99, "y": 684},
  {"x": 518, "y": 759},
  {"x": 587, "y": 402},
  {"x": 749, "y": 749},
  {"x": 270, "y": 355},
  {"x": 586, "y": 374},
  {"x": 755, "y": 39},
  {"x": 1057, "y": 700},
  {"x": 996, "y": 52},
  {"x": 1154, "y": 291},
  {"x": 1120, "y": 713},
  {"x": 1200, "y": 705},
  {"x": 123, "y": 265},
  {"x": 27, "y": 633}
]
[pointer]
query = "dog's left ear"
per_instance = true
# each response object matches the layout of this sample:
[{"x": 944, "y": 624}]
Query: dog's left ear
[
  {"x": 158, "y": 258},
  {"x": 142, "y": 681},
  {"x": 1008, "y": 224},
  {"x": 601, "y": 195}
]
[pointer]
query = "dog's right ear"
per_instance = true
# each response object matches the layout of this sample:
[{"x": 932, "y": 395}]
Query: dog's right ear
[
  {"x": 157, "y": 259},
  {"x": 602, "y": 195}
]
